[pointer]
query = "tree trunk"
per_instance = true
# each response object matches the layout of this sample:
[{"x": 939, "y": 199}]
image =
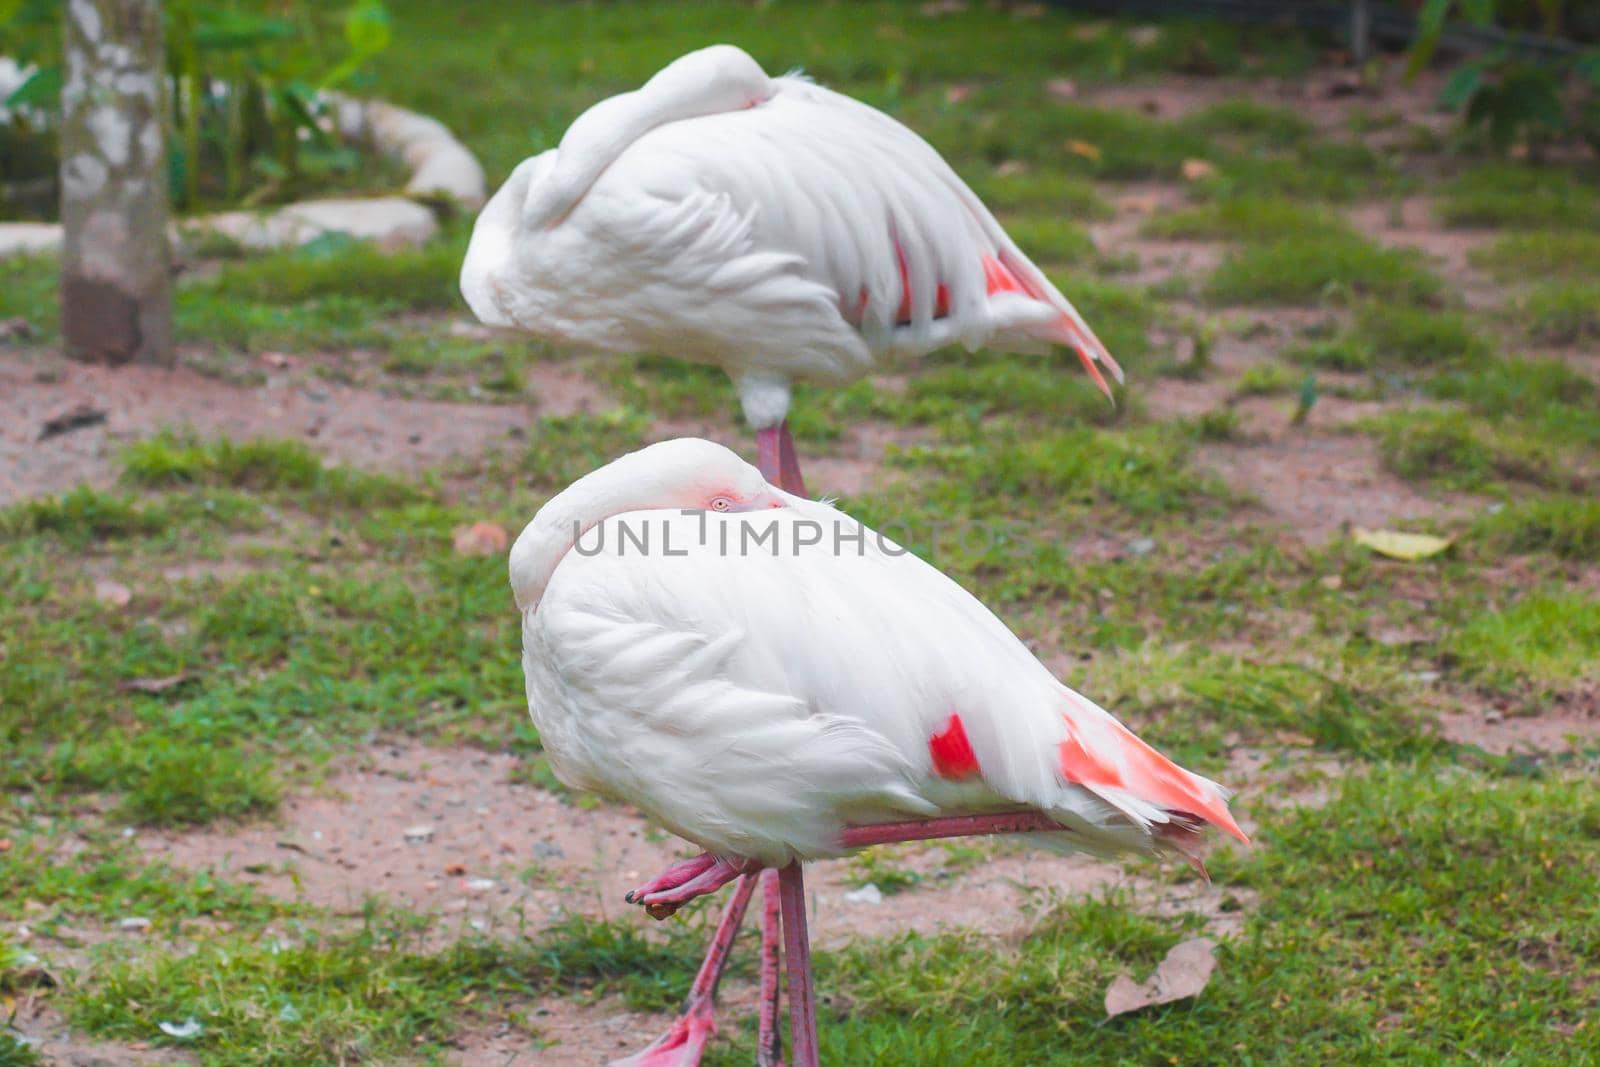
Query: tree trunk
[{"x": 116, "y": 271}]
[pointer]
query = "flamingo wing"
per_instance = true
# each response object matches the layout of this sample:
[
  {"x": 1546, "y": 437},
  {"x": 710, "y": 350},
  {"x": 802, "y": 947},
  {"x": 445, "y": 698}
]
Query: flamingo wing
[{"x": 756, "y": 696}]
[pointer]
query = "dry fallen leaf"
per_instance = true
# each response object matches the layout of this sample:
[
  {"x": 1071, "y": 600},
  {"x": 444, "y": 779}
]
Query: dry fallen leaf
[
  {"x": 114, "y": 593},
  {"x": 1198, "y": 169},
  {"x": 1397, "y": 545},
  {"x": 1010, "y": 168},
  {"x": 954, "y": 94},
  {"x": 481, "y": 539},
  {"x": 1183, "y": 974},
  {"x": 154, "y": 685},
  {"x": 455, "y": 869},
  {"x": 1084, "y": 149}
]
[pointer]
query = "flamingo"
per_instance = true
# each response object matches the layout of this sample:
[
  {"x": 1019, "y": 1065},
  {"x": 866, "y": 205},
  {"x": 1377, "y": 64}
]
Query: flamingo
[
  {"x": 776, "y": 683},
  {"x": 766, "y": 225}
]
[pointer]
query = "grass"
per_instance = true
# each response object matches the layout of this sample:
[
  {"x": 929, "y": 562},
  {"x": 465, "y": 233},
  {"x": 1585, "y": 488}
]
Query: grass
[
  {"x": 1566, "y": 526},
  {"x": 1562, "y": 313},
  {"x": 1541, "y": 254},
  {"x": 1411, "y": 337},
  {"x": 1453, "y": 450},
  {"x": 1246, "y": 219},
  {"x": 1518, "y": 195},
  {"x": 374, "y": 993},
  {"x": 1312, "y": 268},
  {"x": 1547, "y": 639}
]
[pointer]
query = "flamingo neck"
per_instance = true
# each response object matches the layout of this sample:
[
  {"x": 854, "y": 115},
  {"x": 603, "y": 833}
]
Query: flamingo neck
[
  {"x": 707, "y": 82},
  {"x": 618, "y": 487}
]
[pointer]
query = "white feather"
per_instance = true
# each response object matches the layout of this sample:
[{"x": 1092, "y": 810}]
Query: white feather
[
  {"x": 755, "y": 223},
  {"x": 755, "y": 694}
]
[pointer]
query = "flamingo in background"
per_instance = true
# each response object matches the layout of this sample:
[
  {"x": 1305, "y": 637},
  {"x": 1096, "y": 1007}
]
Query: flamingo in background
[
  {"x": 767, "y": 225},
  {"x": 819, "y": 691}
]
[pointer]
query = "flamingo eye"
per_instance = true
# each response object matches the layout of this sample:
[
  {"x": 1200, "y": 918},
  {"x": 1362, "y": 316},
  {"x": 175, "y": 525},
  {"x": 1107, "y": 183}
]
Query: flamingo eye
[{"x": 721, "y": 503}]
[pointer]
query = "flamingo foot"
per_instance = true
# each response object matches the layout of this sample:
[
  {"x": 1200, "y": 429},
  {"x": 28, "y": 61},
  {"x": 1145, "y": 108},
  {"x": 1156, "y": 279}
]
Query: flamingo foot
[
  {"x": 684, "y": 881},
  {"x": 684, "y": 1042},
  {"x": 675, "y": 875}
]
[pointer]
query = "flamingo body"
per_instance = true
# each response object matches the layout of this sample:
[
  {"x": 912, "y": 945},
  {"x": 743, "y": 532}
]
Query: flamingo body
[
  {"x": 767, "y": 225},
  {"x": 758, "y": 700}
]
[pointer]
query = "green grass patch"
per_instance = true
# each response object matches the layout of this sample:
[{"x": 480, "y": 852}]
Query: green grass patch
[
  {"x": 1565, "y": 526},
  {"x": 1266, "y": 379},
  {"x": 1546, "y": 639},
  {"x": 413, "y": 279},
  {"x": 1401, "y": 336},
  {"x": 175, "y": 784},
  {"x": 262, "y": 465},
  {"x": 28, "y": 291},
  {"x": 1562, "y": 313},
  {"x": 82, "y": 516},
  {"x": 1251, "y": 121},
  {"x": 1313, "y": 268},
  {"x": 1246, "y": 219},
  {"x": 1456, "y": 451},
  {"x": 1541, "y": 254},
  {"x": 375, "y": 994},
  {"x": 1053, "y": 239},
  {"x": 1338, "y": 171},
  {"x": 1518, "y": 195},
  {"x": 107, "y": 878},
  {"x": 1039, "y": 190}
]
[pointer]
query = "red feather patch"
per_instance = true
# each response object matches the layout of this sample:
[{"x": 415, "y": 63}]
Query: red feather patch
[{"x": 952, "y": 752}]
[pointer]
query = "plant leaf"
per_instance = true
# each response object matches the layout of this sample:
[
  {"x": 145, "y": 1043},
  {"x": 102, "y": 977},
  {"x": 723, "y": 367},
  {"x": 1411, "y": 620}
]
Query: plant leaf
[
  {"x": 366, "y": 28},
  {"x": 1461, "y": 86},
  {"x": 1398, "y": 545},
  {"x": 1183, "y": 974},
  {"x": 42, "y": 89}
]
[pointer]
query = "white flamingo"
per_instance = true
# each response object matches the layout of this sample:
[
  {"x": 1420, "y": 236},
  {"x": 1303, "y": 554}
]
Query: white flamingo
[
  {"x": 767, "y": 225},
  {"x": 775, "y": 683}
]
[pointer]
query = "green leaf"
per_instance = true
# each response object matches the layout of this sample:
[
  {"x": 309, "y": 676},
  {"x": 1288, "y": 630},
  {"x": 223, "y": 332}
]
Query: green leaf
[
  {"x": 42, "y": 89},
  {"x": 366, "y": 28},
  {"x": 1461, "y": 86},
  {"x": 1430, "y": 24}
]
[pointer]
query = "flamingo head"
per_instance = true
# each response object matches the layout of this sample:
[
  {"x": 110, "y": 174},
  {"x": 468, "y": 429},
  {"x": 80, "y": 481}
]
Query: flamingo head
[{"x": 686, "y": 473}]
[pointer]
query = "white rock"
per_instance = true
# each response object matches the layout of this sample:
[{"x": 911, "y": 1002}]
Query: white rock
[
  {"x": 22, "y": 238},
  {"x": 440, "y": 165},
  {"x": 415, "y": 835},
  {"x": 134, "y": 923},
  {"x": 867, "y": 894},
  {"x": 388, "y": 220},
  {"x": 182, "y": 1031}
]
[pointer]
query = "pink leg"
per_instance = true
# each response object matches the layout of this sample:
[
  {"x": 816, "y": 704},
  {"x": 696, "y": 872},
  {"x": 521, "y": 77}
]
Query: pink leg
[
  {"x": 778, "y": 460},
  {"x": 797, "y": 947},
  {"x": 1012, "y": 822},
  {"x": 683, "y": 1044},
  {"x": 769, "y": 1043}
]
